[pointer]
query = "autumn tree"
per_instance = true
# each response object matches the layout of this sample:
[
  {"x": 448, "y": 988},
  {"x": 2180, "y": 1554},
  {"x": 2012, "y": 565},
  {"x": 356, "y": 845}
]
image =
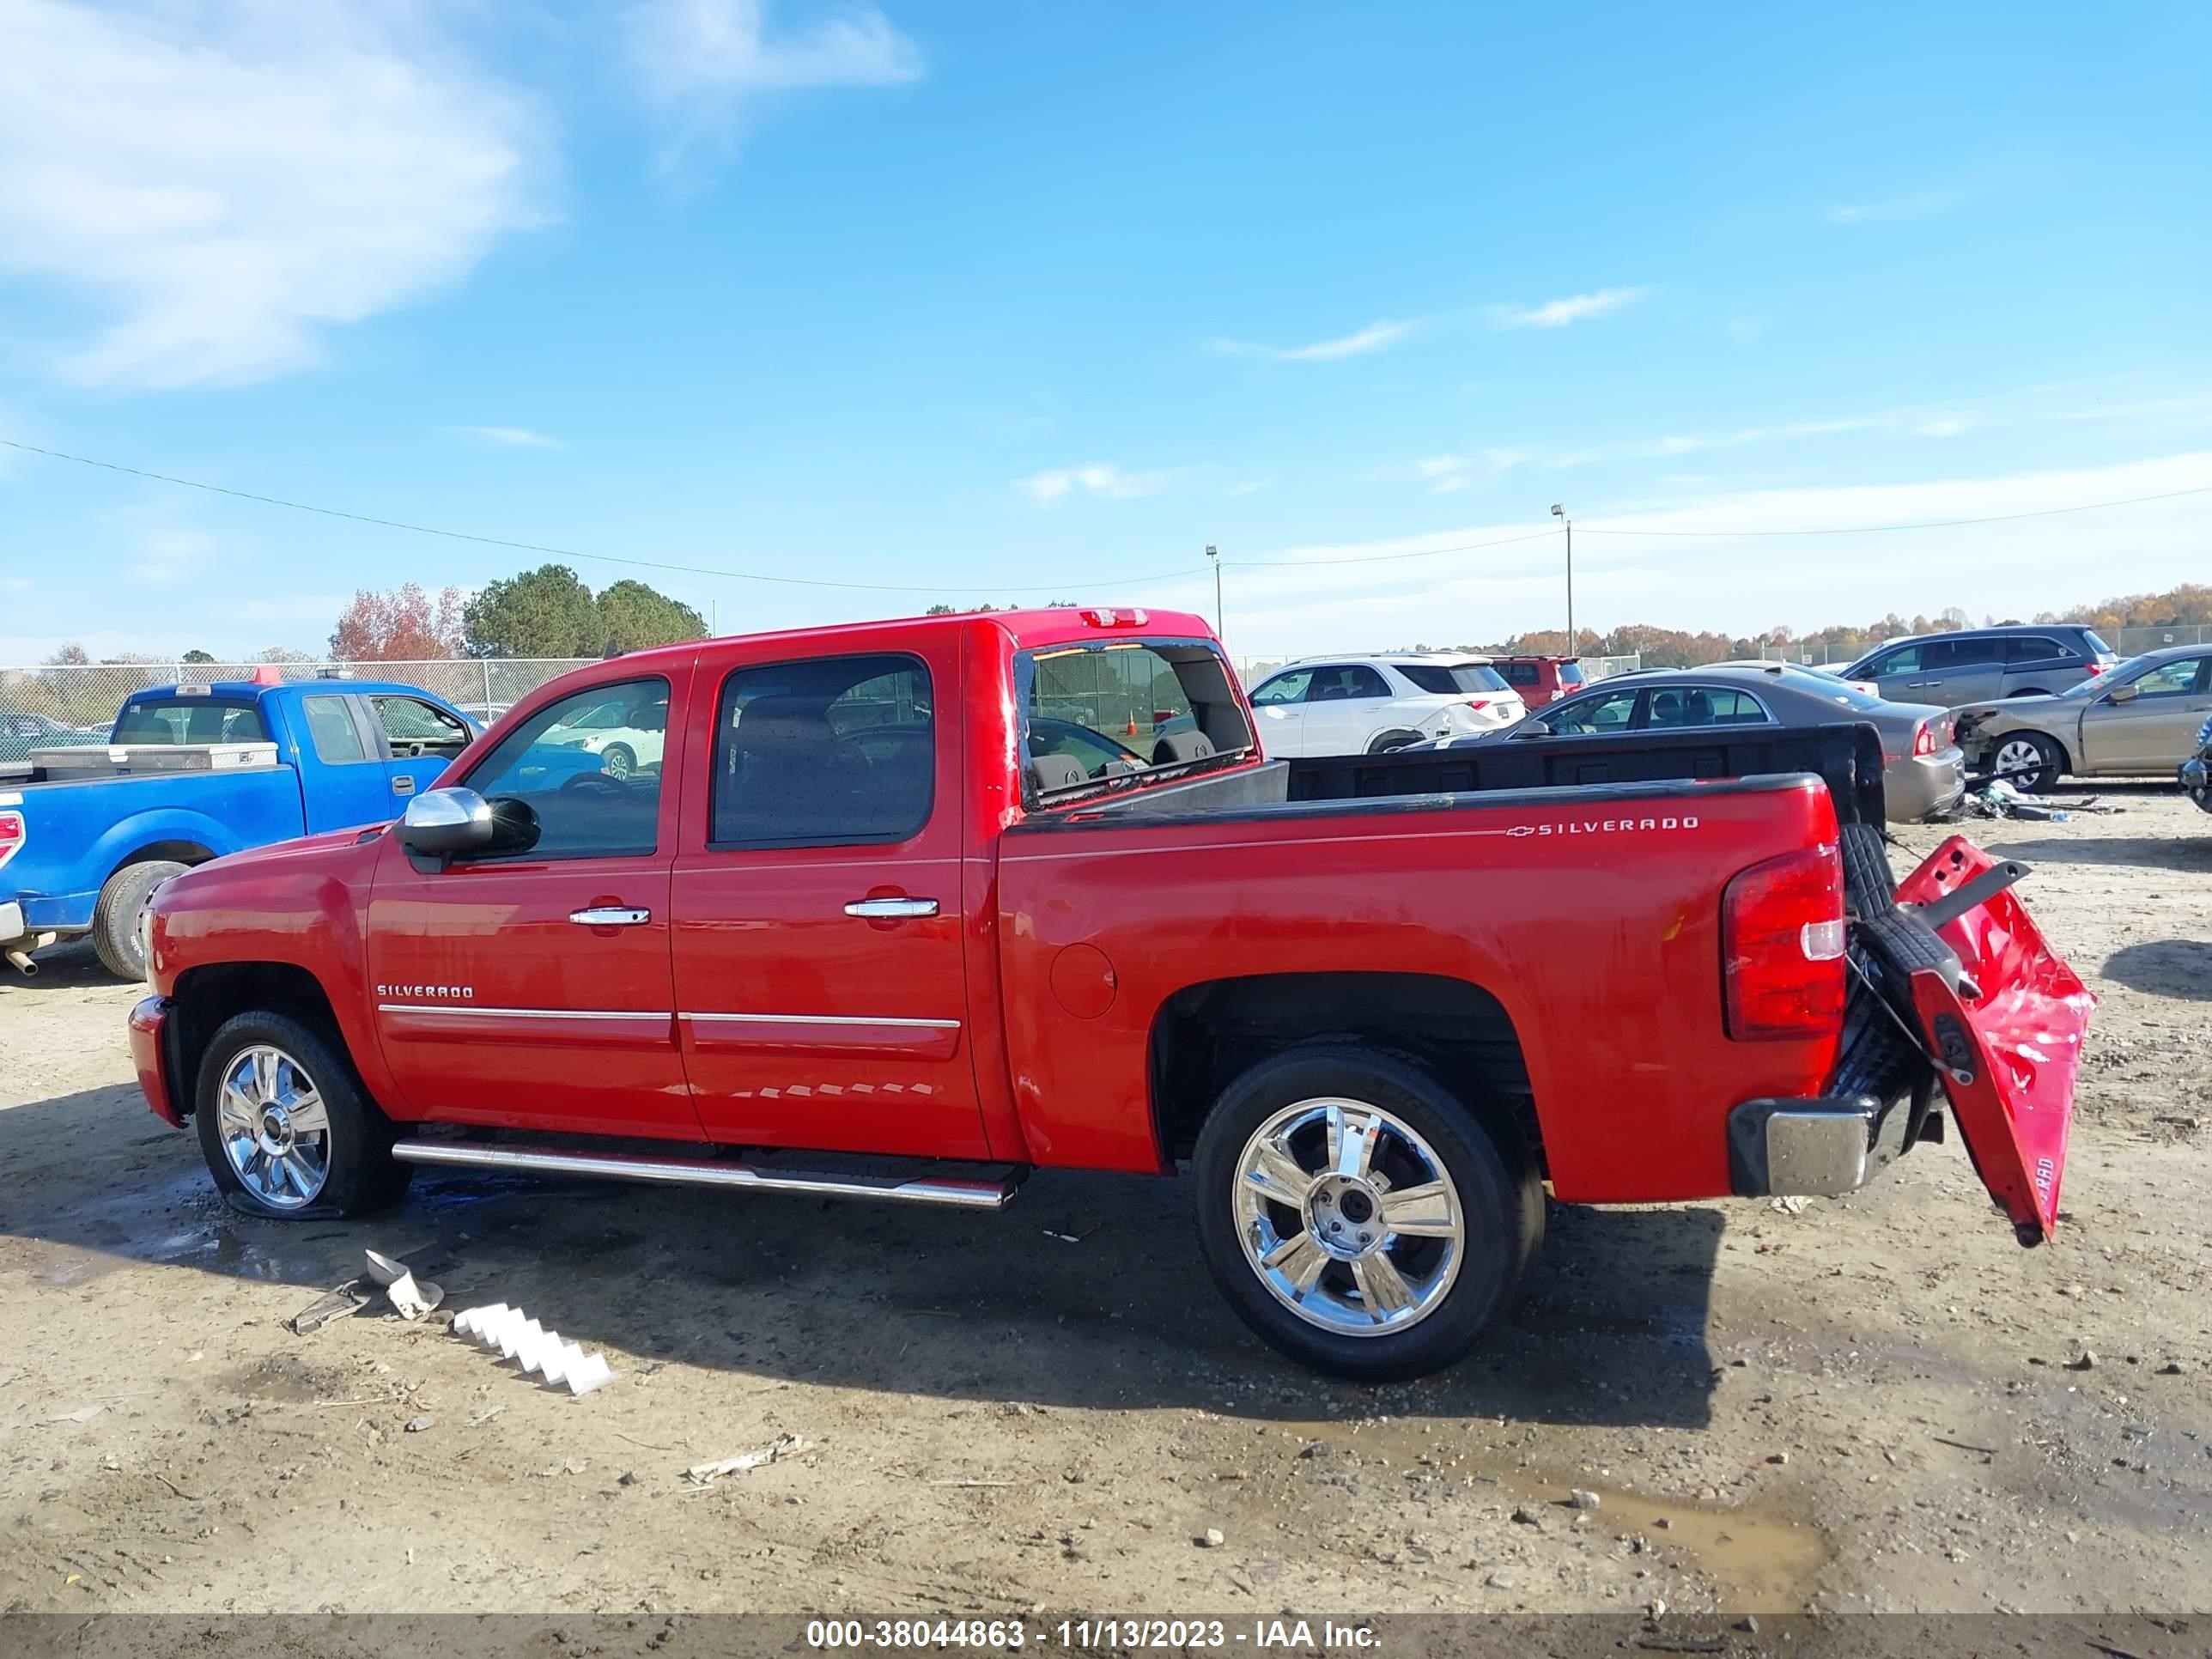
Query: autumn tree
[{"x": 406, "y": 625}]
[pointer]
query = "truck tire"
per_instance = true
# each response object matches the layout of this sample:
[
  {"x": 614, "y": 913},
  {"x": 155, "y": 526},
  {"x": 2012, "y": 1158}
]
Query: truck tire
[
  {"x": 1304, "y": 1249},
  {"x": 618, "y": 760},
  {"x": 115, "y": 917},
  {"x": 286, "y": 1128},
  {"x": 2029, "y": 762}
]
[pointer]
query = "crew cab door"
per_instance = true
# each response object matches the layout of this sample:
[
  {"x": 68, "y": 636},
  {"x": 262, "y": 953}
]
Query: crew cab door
[
  {"x": 528, "y": 985},
  {"x": 2155, "y": 729},
  {"x": 1279, "y": 706},
  {"x": 818, "y": 916}
]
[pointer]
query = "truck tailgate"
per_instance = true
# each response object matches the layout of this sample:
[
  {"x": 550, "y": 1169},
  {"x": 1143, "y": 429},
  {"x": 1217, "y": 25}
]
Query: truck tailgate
[{"x": 2009, "y": 1055}]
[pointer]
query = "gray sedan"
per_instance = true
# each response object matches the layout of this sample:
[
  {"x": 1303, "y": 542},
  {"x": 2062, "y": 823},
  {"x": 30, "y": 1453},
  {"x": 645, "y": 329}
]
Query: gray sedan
[
  {"x": 2139, "y": 719},
  {"x": 1922, "y": 770}
]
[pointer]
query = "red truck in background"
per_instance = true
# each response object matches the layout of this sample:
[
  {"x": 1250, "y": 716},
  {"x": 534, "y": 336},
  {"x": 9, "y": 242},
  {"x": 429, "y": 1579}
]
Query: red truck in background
[
  {"x": 903, "y": 911},
  {"x": 1541, "y": 680}
]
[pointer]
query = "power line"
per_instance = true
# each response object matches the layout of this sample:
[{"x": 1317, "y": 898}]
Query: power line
[
  {"x": 567, "y": 552},
  {"x": 1884, "y": 529},
  {"x": 1385, "y": 558}
]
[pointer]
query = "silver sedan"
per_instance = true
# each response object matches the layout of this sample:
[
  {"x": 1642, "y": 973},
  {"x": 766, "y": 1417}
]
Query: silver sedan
[{"x": 1922, "y": 771}]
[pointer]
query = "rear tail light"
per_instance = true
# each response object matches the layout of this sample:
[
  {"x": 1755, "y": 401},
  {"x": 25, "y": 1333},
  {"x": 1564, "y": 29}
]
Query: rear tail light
[
  {"x": 1782, "y": 938},
  {"x": 1924, "y": 738},
  {"x": 1478, "y": 702},
  {"x": 12, "y": 835}
]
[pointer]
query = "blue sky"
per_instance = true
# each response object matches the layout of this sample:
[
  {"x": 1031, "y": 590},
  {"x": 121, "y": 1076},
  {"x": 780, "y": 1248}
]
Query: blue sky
[{"x": 1033, "y": 301}]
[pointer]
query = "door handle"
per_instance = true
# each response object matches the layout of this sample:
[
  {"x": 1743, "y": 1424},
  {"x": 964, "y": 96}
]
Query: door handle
[
  {"x": 879, "y": 908},
  {"x": 610, "y": 915},
  {"x": 403, "y": 785}
]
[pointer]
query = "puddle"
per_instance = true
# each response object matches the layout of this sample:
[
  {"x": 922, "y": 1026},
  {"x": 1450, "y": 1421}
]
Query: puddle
[{"x": 1758, "y": 1562}]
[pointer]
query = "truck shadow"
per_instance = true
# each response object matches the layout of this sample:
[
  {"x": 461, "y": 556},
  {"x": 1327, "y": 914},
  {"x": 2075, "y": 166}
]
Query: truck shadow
[
  {"x": 1088, "y": 1291},
  {"x": 2164, "y": 968}
]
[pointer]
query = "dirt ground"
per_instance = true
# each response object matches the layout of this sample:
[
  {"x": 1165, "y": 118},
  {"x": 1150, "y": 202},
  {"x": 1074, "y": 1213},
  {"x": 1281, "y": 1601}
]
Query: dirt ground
[{"x": 1876, "y": 1403}]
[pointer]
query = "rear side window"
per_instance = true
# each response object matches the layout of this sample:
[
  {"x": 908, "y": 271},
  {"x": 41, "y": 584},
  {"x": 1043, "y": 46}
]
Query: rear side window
[
  {"x": 1347, "y": 684},
  {"x": 837, "y": 751},
  {"x": 331, "y": 727},
  {"x": 1673, "y": 707},
  {"x": 2034, "y": 648},
  {"x": 1451, "y": 679},
  {"x": 1522, "y": 673},
  {"x": 1962, "y": 653},
  {"x": 552, "y": 794},
  {"x": 191, "y": 719}
]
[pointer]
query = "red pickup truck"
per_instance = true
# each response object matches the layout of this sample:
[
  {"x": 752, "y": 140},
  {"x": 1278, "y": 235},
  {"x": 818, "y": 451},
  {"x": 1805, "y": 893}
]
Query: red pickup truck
[{"x": 907, "y": 909}]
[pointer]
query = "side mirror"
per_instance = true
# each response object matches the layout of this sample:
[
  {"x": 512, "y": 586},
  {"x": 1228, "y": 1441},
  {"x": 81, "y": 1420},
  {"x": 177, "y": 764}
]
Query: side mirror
[
  {"x": 440, "y": 823},
  {"x": 2123, "y": 694},
  {"x": 1533, "y": 728}
]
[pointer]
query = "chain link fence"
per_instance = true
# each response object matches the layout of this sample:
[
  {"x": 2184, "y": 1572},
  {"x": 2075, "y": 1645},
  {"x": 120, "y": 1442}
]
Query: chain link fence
[
  {"x": 57, "y": 702},
  {"x": 2134, "y": 641}
]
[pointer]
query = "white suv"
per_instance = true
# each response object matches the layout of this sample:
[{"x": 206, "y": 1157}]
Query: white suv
[{"x": 1372, "y": 705}]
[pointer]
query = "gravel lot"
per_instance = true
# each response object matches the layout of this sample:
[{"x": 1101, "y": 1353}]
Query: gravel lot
[{"x": 1873, "y": 1403}]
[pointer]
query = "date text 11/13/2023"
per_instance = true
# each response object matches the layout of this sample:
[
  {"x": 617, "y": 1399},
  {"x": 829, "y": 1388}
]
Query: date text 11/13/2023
[{"x": 1013, "y": 1635}]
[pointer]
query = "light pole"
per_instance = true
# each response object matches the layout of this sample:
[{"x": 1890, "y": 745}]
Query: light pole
[
  {"x": 1214, "y": 559},
  {"x": 1559, "y": 512}
]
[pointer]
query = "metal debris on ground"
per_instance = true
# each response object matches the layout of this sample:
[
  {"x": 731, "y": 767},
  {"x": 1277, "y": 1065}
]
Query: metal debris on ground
[
  {"x": 409, "y": 1299},
  {"x": 784, "y": 1445},
  {"x": 522, "y": 1339},
  {"x": 2000, "y": 800},
  {"x": 421, "y": 1424},
  {"x": 348, "y": 1298}
]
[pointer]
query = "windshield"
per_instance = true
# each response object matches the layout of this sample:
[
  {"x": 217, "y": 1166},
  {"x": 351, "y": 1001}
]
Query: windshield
[
  {"x": 1448, "y": 678},
  {"x": 2096, "y": 684},
  {"x": 1099, "y": 714},
  {"x": 190, "y": 719},
  {"x": 1570, "y": 673}
]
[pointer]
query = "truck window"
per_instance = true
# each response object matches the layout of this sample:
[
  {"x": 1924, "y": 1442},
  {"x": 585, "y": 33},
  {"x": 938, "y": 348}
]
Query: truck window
[
  {"x": 415, "y": 727},
  {"x": 550, "y": 792},
  {"x": 191, "y": 719},
  {"x": 1127, "y": 707},
  {"x": 338, "y": 740},
  {"x": 838, "y": 751}
]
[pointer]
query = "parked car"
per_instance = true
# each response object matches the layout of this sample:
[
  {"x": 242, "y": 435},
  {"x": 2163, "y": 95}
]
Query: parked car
[
  {"x": 484, "y": 713},
  {"x": 624, "y": 734},
  {"x": 1372, "y": 705},
  {"x": 1978, "y": 664},
  {"x": 838, "y": 946},
  {"x": 1924, "y": 774},
  {"x": 2139, "y": 718},
  {"x": 2196, "y": 770},
  {"x": 1539, "y": 680},
  {"x": 1823, "y": 669},
  {"x": 82, "y": 849},
  {"x": 21, "y": 730}
]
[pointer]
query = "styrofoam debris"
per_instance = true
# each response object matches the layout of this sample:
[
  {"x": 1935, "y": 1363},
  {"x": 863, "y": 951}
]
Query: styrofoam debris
[{"x": 537, "y": 1350}]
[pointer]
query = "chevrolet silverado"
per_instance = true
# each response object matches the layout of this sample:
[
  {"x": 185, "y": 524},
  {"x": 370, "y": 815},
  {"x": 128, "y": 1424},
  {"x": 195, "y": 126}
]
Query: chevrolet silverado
[{"x": 879, "y": 926}]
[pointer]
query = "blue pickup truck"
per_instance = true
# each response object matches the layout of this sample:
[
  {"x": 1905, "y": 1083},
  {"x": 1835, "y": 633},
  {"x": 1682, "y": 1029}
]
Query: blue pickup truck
[{"x": 191, "y": 772}]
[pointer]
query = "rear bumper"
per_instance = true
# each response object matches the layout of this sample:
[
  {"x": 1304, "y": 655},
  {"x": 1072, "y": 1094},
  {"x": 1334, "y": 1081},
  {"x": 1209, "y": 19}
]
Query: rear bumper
[
  {"x": 1919, "y": 787},
  {"x": 149, "y": 1054},
  {"x": 1803, "y": 1148}
]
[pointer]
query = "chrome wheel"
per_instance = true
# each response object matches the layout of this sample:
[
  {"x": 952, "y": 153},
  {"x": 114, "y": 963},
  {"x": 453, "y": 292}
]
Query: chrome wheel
[
  {"x": 618, "y": 762},
  {"x": 274, "y": 1127},
  {"x": 2019, "y": 758},
  {"x": 1349, "y": 1217}
]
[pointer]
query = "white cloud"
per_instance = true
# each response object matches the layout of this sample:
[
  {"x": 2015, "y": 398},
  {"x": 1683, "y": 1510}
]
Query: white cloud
[
  {"x": 167, "y": 557},
  {"x": 1374, "y": 338},
  {"x": 1558, "y": 313},
  {"x": 511, "y": 437},
  {"x": 1454, "y": 586},
  {"x": 1100, "y": 478},
  {"x": 15, "y": 584},
  {"x": 701, "y": 61},
  {"x": 1893, "y": 209},
  {"x": 228, "y": 180}
]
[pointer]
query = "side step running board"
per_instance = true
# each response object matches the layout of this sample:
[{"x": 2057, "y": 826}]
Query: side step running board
[{"x": 974, "y": 1187}]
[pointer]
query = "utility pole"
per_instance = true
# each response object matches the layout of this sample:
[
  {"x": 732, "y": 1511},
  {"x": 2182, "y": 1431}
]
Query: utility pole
[
  {"x": 1214, "y": 558},
  {"x": 1559, "y": 512}
]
